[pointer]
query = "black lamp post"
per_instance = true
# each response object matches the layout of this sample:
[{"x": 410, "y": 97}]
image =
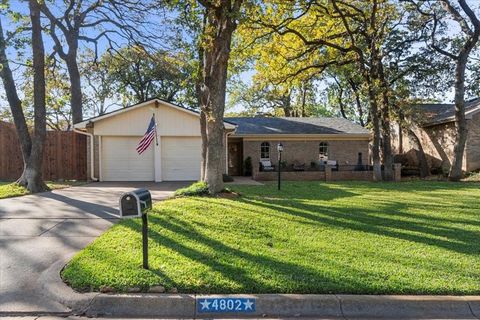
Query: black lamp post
[{"x": 280, "y": 150}]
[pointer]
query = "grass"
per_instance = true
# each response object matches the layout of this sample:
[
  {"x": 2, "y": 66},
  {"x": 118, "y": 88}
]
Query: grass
[
  {"x": 353, "y": 237},
  {"x": 9, "y": 189}
]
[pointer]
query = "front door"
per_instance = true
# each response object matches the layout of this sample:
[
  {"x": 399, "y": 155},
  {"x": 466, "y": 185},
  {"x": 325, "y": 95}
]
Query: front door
[{"x": 235, "y": 156}]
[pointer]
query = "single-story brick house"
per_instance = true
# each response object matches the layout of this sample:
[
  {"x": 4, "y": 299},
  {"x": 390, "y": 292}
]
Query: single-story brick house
[
  {"x": 436, "y": 132},
  {"x": 177, "y": 156},
  {"x": 307, "y": 142}
]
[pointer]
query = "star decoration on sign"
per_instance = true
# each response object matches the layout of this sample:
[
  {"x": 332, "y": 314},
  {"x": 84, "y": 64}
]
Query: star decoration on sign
[
  {"x": 248, "y": 304},
  {"x": 205, "y": 304}
]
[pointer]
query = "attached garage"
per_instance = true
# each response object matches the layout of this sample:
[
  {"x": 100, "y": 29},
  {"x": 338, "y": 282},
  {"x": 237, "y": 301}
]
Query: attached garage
[
  {"x": 181, "y": 158},
  {"x": 121, "y": 162},
  {"x": 174, "y": 156}
]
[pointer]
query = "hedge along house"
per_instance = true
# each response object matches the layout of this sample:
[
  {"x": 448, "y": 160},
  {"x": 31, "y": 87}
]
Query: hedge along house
[
  {"x": 177, "y": 155},
  {"x": 435, "y": 130}
]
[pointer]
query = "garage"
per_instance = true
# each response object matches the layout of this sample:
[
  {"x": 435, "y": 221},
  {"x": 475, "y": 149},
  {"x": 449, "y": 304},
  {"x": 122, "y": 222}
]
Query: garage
[
  {"x": 175, "y": 154},
  {"x": 181, "y": 158},
  {"x": 121, "y": 162}
]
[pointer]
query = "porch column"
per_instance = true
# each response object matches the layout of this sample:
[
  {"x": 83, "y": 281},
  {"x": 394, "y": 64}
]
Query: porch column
[{"x": 328, "y": 172}]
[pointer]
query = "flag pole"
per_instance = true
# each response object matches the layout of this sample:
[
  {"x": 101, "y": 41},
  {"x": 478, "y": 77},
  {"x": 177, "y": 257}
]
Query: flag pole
[{"x": 156, "y": 136}]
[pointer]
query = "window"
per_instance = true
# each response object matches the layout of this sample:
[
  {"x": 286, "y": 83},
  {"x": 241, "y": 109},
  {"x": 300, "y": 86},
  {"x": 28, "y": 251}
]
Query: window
[
  {"x": 265, "y": 150},
  {"x": 323, "y": 150}
]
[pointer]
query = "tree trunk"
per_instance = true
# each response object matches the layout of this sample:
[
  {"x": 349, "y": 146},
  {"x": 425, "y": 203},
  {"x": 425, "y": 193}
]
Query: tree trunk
[
  {"x": 32, "y": 148},
  {"x": 203, "y": 131},
  {"x": 75, "y": 86},
  {"x": 34, "y": 164},
  {"x": 386, "y": 128},
  {"x": 15, "y": 104},
  {"x": 455, "y": 173},
  {"x": 422, "y": 159},
  {"x": 377, "y": 166},
  {"x": 401, "y": 121},
  {"x": 340, "y": 99},
  {"x": 387, "y": 145},
  {"x": 287, "y": 105},
  {"x": 221, "y": 23},
  {"x": 198, "y": 91},
  {"x": 375, "y": 120},
  {"x": 357, "y": 101}
]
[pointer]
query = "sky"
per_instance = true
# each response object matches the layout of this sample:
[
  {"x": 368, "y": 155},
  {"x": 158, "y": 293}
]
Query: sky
[{"x": 17, "y": 64}]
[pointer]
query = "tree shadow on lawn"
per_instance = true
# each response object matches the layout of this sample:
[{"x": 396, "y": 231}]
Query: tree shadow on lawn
[
  {"x": 298, "y": 191},
  {"x": 223, "y": 259},
  {"x": 233, "y": 270},
  {"x": 114, "y": 262},
  {"x": 380, "y": 221}
]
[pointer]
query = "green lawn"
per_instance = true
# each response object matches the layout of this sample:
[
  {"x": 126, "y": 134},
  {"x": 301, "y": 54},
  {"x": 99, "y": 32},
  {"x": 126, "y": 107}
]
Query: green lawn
[
  {"x": 9, "y": 189},
  {"x": 351, "y": 237}
]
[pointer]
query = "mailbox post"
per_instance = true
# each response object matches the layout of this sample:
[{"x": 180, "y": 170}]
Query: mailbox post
[
  {"x": 135, "y": 204},
  {"x": 145, "y": 240}
]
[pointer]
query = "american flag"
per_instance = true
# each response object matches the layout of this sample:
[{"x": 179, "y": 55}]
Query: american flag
[{"x": 148, "y": 136}]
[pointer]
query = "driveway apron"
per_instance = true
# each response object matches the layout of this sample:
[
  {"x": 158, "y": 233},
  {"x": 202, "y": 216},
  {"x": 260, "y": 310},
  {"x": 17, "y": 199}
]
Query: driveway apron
[{"x": 37, "y": 230}]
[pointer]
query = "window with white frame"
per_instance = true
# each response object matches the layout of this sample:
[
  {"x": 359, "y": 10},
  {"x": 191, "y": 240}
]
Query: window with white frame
[
  {"x": 265, "y": 150},
  {"x": 323, "y": 150}
]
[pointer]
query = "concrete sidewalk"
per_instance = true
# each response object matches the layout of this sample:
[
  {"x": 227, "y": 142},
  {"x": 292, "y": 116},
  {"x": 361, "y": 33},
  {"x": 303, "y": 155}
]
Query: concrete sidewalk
[
  {"x": 38, "y": 230},
  {"x": 321, "y": 306}
]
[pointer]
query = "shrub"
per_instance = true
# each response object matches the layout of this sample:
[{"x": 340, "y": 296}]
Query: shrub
[{"x": 199, "y": 188}]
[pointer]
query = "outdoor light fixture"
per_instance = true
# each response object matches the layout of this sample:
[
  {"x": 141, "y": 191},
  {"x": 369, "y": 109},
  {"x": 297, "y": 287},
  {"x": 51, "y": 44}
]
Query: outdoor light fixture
[
  {"x": 280, "y": 150},
  {"x": 280, "y": 147}
]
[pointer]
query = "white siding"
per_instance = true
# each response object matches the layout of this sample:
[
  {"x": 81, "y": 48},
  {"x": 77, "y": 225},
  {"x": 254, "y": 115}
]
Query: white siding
[
  {"x": 181, "y": 158},
  {"x": 170, "y": 122},
  {"x": 121, "y": 162}
]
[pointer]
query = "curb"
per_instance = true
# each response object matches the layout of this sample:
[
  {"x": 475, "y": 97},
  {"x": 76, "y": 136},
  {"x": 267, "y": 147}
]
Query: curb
[
  {"x": 57, "y": 290},
  {"x": 406, "y": 307},
  {"x": 267, "y": 305},
  {"x": 142, "y": 305}
]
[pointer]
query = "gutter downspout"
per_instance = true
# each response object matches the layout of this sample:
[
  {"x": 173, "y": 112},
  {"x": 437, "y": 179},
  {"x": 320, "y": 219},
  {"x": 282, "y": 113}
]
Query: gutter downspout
[{"x": 92, "y": 158}]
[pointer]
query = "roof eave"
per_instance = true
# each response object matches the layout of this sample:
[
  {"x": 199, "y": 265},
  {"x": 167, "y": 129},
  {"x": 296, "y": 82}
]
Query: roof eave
[
  {"x": 83, "y": 124},
  {"x": 301, "y": 135}
]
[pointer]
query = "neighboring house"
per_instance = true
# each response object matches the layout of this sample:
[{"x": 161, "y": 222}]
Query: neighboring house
[
  {"x": 178, "y": 153},
  {"x": 435, "y": 130}
]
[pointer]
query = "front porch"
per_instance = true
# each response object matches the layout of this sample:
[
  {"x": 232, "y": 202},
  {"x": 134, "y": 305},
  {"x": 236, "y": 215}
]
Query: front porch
[{"x": 302, "y": 158}]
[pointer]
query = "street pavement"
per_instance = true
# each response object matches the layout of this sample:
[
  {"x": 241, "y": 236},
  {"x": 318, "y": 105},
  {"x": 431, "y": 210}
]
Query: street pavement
[{"x": 38, "y": 230}]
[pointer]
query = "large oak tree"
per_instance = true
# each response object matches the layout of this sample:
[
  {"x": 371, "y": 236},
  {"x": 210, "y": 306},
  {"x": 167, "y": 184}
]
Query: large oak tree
[
  {"x": 221, "y": 18},
  {"x": 31, "y": 143}
]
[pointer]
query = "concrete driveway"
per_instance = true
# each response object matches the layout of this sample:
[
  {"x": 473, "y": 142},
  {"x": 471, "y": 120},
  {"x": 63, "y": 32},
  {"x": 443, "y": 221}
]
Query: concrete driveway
[{"x": 37, "y": 230}]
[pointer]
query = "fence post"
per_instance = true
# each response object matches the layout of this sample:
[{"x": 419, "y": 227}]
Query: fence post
[
  {"x": 397, "y": 172},
  {"x": 328, "y": 173}
]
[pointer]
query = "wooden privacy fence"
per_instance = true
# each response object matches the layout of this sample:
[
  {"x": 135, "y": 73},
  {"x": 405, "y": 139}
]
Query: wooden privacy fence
[{"x": 65, "y": 155}]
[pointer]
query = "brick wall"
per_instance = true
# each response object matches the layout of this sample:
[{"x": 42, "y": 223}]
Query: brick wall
[
  {"x": 472, "y": 149},
  {"x": 315, "y": 175},
  {"x": 305, "y": 151},
  {"x": 438, "y": 142},
  {"x": 290, "y": 176}
]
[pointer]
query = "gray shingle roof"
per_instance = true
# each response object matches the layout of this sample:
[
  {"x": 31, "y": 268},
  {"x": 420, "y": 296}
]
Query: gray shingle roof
[
  {"x": 436, "y": 113},
  {"x": 282, "y": 125}
]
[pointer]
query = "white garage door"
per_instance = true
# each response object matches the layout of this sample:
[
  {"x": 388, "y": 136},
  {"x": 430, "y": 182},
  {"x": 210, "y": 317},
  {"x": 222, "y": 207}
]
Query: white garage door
[
  {"x": 181, "y": 158},
  {"x": 121, "y": 162}
]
